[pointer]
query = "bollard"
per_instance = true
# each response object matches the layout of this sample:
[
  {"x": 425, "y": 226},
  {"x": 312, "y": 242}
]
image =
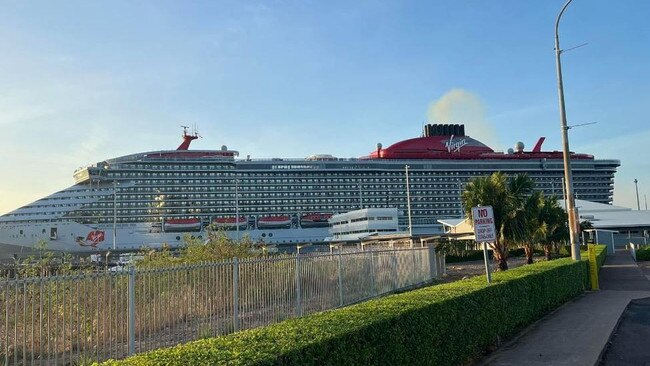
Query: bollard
[{"x": 593, "y": 267}]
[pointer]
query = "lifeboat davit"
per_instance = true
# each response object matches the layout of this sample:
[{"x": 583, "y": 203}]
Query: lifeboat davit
[
  {"x": 274, "y": 222},
  {"x": 230, "y": 223},
  {"x": 315, "y": 220},
  {"x": 178, "y": 225}
]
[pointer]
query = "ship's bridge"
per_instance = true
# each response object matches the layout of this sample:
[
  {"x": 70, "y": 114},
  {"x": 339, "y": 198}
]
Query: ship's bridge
[{"x": 86, "y": 174}]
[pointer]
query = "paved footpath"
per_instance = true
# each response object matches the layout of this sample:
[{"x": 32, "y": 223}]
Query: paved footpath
[{"x": 577, "y": 333}]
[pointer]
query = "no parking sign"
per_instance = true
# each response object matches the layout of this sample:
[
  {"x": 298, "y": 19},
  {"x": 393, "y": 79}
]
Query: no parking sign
[
  {"x": 484, "y": 231},
  {"x": 483, "y": 218}
]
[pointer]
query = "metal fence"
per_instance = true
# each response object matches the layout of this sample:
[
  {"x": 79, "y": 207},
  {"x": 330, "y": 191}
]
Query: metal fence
[{"x": 80, "y": 319}]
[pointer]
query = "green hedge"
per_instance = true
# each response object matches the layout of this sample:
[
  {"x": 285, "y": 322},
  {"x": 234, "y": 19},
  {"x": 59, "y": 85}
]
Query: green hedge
[
  {"x": 470, "y": 255},
  {"x": 475, "y": 255},
  {"x": 446, "y": 324},
  {"x": 643, "y": 254}
]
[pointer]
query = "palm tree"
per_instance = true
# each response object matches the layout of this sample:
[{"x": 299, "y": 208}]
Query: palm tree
[
  {"x": 533, "y": 221},
  {"x": 506, "y": 196},
  {"x": 556, "y": 230}
]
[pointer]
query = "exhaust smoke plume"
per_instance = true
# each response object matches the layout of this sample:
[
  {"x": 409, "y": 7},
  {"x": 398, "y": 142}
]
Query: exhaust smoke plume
[{"x": 462, "y": 107}]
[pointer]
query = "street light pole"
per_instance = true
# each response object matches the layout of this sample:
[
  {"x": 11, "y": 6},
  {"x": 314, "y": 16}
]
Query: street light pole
[
  {"x": 360, "y": 196},
  {"x": 568, "y": 178},
  {"x": 408, "y": 200},
  {"x": 636, "y": 185},
  {"x": 114, "y": 214},
  {"x": 460, "y": 198},
  {"x": 237, "y": 205}
]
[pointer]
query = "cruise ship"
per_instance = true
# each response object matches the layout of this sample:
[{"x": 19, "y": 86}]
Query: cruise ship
[{"x": 155, "y": 198}]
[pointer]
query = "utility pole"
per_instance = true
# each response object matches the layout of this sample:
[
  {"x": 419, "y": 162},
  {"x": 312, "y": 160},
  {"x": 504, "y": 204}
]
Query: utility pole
[
  {"x": 114, "y": 214},
  {"x": 237, "y": 205},
  {"x": 408, "y": 200},
  {"x": 636, "y": 185},
  {"x": 570, "y": 200},
  {"x": 460, "y": 198},
  {"x": 360, "y": 196}
]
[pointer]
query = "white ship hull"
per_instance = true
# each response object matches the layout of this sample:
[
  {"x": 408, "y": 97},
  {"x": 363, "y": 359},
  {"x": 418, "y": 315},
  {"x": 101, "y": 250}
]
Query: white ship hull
[{"x": 72, "y": 237}]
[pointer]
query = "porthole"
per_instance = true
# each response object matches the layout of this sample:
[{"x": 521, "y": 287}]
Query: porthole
[{"x": 178, "y": 238}]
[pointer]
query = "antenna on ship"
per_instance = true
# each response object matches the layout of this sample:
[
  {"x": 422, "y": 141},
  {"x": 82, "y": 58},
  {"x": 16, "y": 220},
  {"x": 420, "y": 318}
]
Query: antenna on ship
[
  {"x": 196, "y": 130},
  {"x": 187, "y": 138}
]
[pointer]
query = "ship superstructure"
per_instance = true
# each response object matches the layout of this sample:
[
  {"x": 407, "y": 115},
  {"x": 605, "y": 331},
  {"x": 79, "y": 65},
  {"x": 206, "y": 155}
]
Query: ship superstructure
[{"x": 151, "y": 198}]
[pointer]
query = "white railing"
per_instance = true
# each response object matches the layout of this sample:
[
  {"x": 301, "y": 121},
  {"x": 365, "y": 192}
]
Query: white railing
[
  {"x": 632, "y": 247},
  {"x": 89, "y": 317}
]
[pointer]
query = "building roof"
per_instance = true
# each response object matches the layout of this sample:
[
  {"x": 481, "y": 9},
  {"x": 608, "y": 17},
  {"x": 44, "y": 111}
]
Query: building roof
[
  {"x": 589, "y": 207},
  {"x": 604, "y": 216}
]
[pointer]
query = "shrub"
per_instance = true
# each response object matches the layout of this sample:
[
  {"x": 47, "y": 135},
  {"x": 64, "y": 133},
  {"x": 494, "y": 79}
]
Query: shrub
[
  {"x": 643, "y": 254},
  {"x": 446, "y": 324},
  {"x": 471, "y": 255},
  {"x": 217, "y": 247},
  {"x": 475, "y": 255}
]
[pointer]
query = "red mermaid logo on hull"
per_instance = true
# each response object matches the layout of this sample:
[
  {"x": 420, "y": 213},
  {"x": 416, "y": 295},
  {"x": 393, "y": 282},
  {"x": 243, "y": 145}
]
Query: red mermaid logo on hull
[{"x": 92, "y": 239}]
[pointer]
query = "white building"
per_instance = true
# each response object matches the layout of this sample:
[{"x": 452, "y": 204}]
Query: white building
[
  {"x": 622, "y": 224},
  {"x": 360, "y": 224}
]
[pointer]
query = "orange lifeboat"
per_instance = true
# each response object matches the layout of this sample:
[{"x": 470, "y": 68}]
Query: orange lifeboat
[
  {"x": 180, "y": 225},
  {"x": 230, "y": 223},
  {"x": 315, "y": 220},
  {"x": 274, "y": 222}
]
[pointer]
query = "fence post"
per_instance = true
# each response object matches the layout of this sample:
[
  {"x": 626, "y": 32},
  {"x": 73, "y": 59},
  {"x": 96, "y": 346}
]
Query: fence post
[
  {"x": 298, "y": 290},
  {"x": 235, "y": 294},
  {"x": 443, "y": 263},
  {"x": 373, "y": 285},
  {"x": 433, "y": 266},
  {"x": 414, "y": 274},
  {"x": 393, "y": 268},
  {"x": 131, "y": 330},
  {"x": 340, "y": 279}
]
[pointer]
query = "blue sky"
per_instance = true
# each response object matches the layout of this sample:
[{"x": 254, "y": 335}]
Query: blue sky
[{"x": 84, "y": 81}]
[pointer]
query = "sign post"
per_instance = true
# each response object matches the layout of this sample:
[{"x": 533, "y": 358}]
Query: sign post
[{"x": 484, "y": 232}]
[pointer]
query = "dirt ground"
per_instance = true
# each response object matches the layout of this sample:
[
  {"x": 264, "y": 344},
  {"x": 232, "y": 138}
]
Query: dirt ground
[{"x": 458, "y": 271}]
